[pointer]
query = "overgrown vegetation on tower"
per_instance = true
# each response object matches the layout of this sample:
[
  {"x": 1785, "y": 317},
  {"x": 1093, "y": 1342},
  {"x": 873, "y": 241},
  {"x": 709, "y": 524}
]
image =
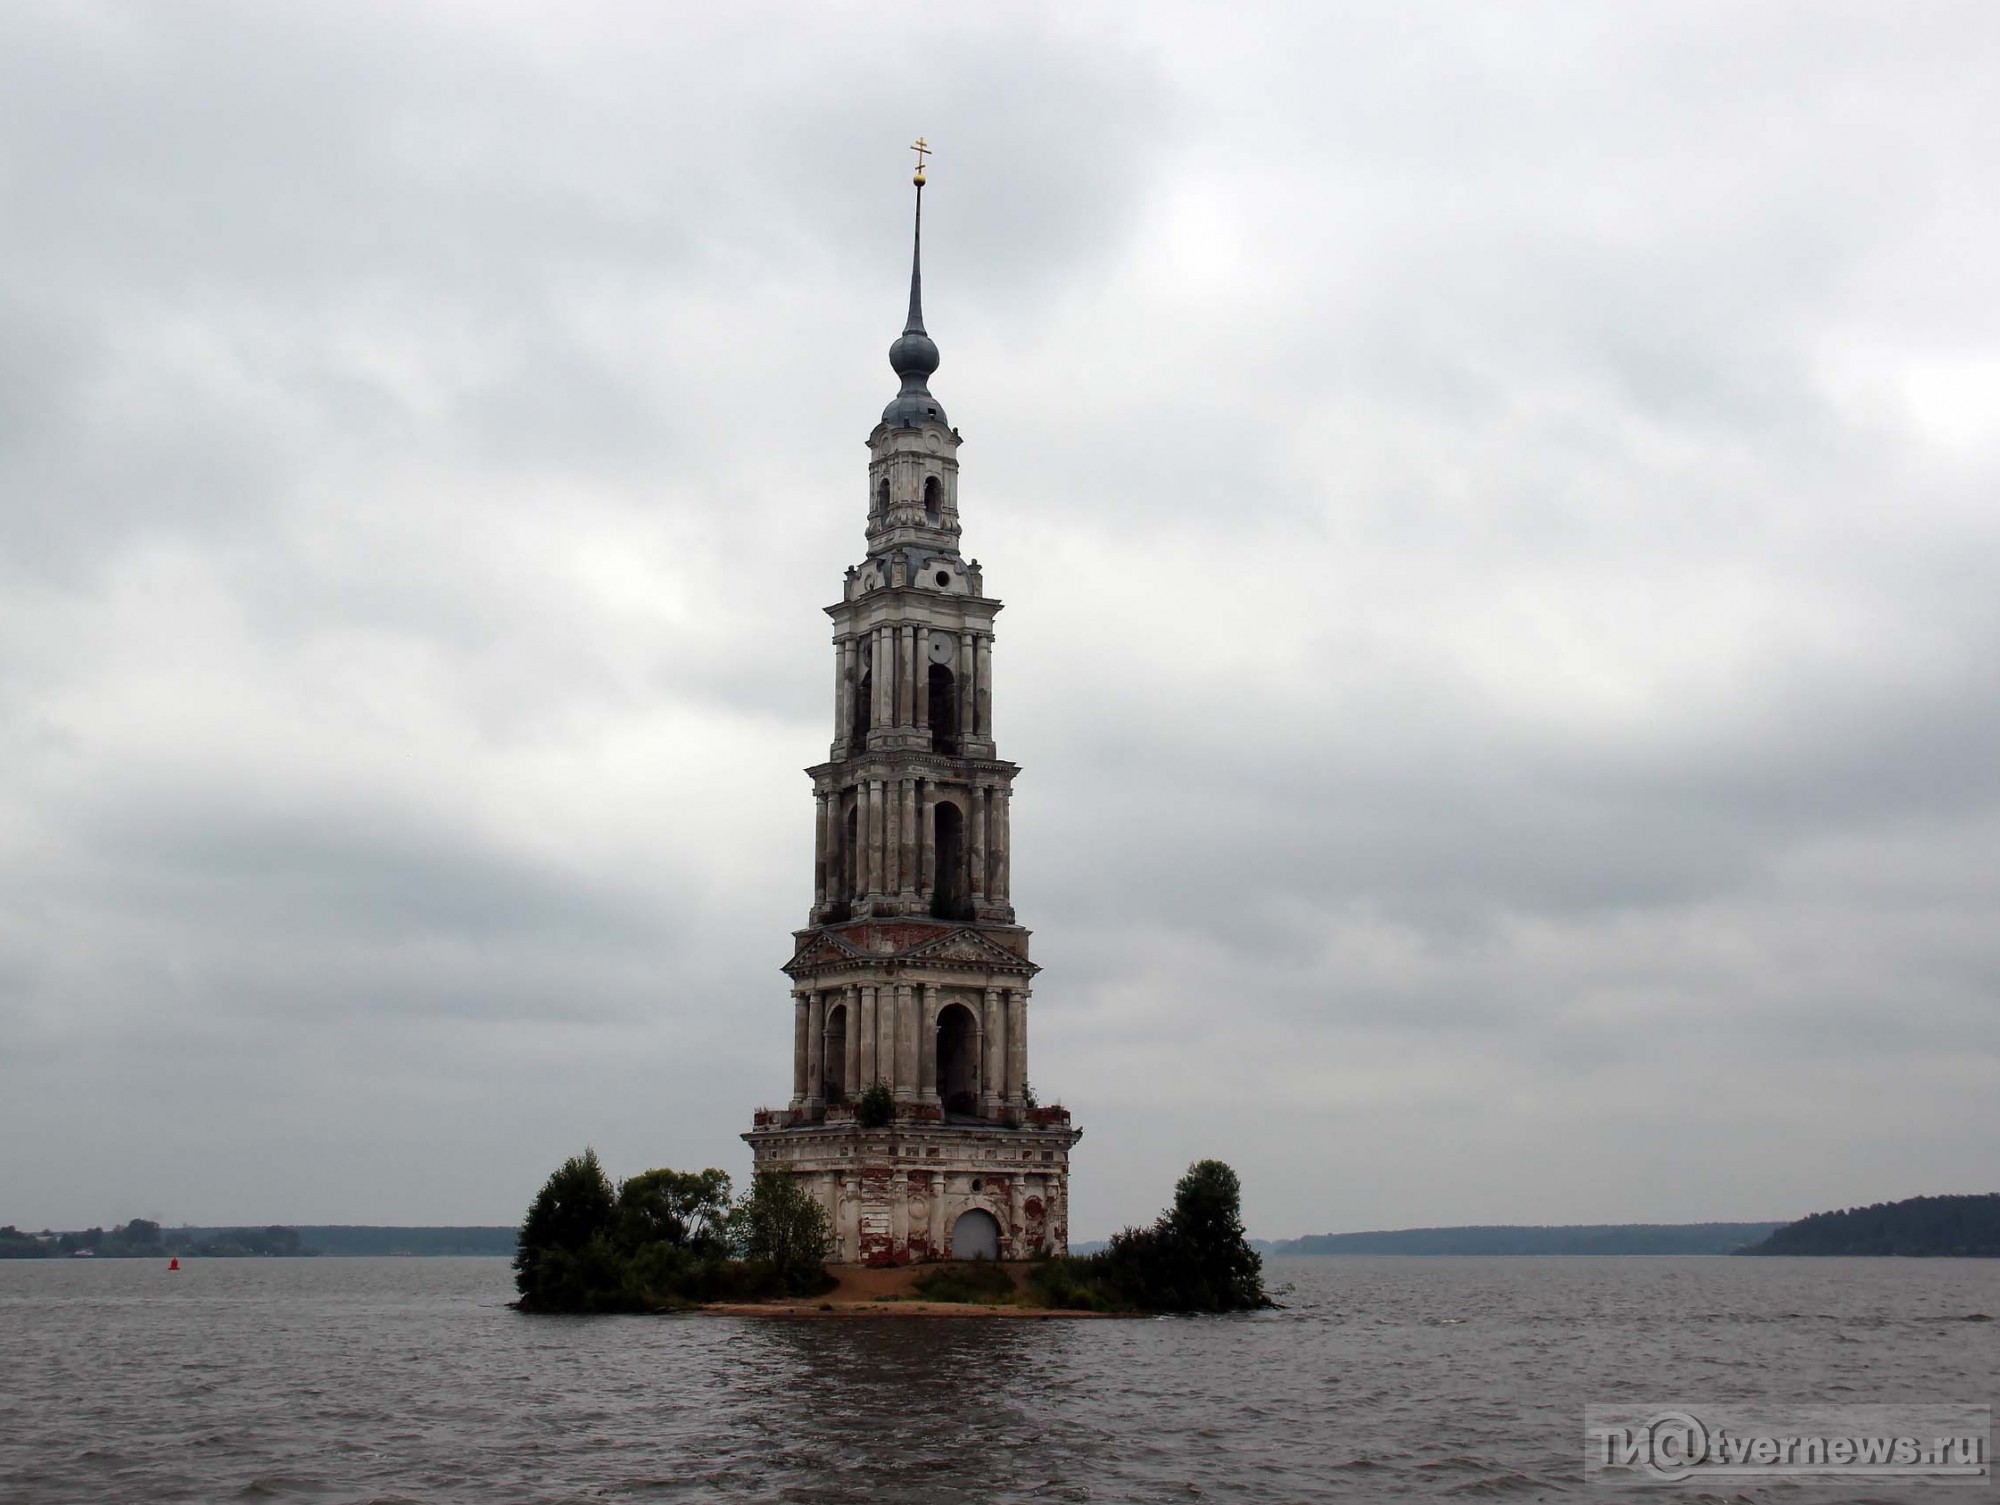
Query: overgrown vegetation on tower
[
  {"x": 1194, "y": 1258},
  {"x": 666, "y": 1240}
]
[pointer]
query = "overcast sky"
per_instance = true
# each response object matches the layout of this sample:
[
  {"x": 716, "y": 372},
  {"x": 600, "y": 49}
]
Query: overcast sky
[{"x": 1496, "y": 507}]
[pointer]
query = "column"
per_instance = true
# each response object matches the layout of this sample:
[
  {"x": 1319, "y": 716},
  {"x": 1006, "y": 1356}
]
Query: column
[
  {"x": 821, "y": 846},
  {"x": 927, "y": 1045},
  {"x": 874, "y": 836},
  {"x": 937, "y": 1214},
  {"x": 984, "y": 644},
  {"x": 851, "y": 1053},
  {"x": 867, "y": 1078},
  {"x": 886, "y": 1000},
  {"x": 840, "y": 695},
  {"x": 978, "y": 844},
  {"x": 967, "y": 675},
  {"x": 1017, "y": 1046},
  {"x": 991, "y": 1067},
  {"x": 816, "y": 1050},
  {"x": 850, "y": 661},
  {"x": 927, "y": 835},
  {"x": 1016, "y": 1230},
  {"x": 800, "y": 1038},
  {"x": 885, "y": 677},
  {"x": 908, "y": 857},
  {"x": 862, "y": 873},
  {"x": 906, "y": 1045},
  {"x": 920, "y": 669},
  {"x": 892, "y": 839},
  {"x": 1002, "y": 840},
  {"x": 906, "y": 675}
]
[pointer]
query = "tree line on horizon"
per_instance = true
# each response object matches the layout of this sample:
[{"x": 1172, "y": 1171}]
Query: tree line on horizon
[
  {"x": 142, "y": 1238},
  {"x": 1946, "y": 1227}
]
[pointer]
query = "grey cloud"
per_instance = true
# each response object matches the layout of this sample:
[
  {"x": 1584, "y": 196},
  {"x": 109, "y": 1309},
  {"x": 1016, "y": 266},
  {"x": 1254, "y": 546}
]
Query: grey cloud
[{"x": 1500, "y": 651}]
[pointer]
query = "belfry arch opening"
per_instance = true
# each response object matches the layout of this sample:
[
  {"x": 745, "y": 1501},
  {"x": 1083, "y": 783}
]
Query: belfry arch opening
[
  {"x": 943, "y": 692},
  {"x": 864, "y": 693},
  {"x": 951, "y": 899},
  {"x": 834, "y": 1072},
  {"x": 933, "y": 501},
  {"x": 958, "y": 1060},
  {"x": 882, "y": 500},
  {"x": 850, "y": 848}
]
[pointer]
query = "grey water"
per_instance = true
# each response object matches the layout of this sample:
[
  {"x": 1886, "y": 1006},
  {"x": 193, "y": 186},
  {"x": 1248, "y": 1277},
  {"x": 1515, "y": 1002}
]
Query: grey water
[{"x": 1388, "y": 1378}]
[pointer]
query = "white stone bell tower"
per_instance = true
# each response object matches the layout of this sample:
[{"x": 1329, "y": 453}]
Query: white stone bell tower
[{"x": 912, "y": 972}]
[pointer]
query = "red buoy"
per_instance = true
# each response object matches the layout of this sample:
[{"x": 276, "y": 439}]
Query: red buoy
[{"x": 173, "y": 1264}]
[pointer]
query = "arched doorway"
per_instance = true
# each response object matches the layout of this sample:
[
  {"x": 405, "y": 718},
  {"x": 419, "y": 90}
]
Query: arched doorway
[
  {"x": 950, "y": 899},
  {"x": 931, "y": 509},
  {"x": 943, "y": 692},
  {"x": 976, "y": 1235},
  {"x": 958, "y": 1060},
  {"x": 834, "y": 1070}
]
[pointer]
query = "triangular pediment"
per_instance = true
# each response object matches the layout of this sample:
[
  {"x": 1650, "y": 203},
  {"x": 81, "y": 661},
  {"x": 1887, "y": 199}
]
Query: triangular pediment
[
  {"x": 822, "y": 950},
  {"x": 970, "y": 947}
]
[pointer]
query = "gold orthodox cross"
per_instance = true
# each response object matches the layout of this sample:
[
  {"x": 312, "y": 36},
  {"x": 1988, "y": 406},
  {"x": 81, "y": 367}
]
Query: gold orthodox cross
[{"x": 923, "y": 150}]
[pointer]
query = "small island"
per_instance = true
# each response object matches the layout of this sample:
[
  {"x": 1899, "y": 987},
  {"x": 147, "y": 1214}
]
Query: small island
[
  {"x": 1949, "y": 1227},
  {"x": 676, "y": 1241}
]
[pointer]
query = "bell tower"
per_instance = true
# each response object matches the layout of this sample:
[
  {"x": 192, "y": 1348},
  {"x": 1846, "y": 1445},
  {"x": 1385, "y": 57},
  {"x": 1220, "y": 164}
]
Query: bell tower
[{"x": 912, "y": 972}]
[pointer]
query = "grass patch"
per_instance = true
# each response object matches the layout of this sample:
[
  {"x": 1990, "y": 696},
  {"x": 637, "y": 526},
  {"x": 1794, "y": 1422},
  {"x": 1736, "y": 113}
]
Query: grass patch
[{"x": 979, "y": 1283}]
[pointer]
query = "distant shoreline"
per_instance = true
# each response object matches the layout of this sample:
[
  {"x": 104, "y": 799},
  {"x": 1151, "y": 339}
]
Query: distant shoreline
[
  {"x": 144, "y": 1240},
  {"x": 1624, "y": 1239}
]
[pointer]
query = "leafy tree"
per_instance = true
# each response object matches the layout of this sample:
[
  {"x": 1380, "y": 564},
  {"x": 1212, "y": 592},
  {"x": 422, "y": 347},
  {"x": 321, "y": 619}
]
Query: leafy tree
[
  {"x": 1193, "y": 1259},
  {"x": 663, "y": 1240},
  {"x": 781, "y": 1227},
  {"x": 1222, "y": 1273},
  {"x": 877, "y": 1106},
  {"x": 140, "y": 1231},
  {"x": 572, "y": 1212},
  {"x": 686, "y": 1209}
]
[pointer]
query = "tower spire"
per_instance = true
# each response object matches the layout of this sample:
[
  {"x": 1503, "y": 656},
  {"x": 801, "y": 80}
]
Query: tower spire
[
  {"x": 915, "y": 324},
  {"x": 914, "y": 356}
]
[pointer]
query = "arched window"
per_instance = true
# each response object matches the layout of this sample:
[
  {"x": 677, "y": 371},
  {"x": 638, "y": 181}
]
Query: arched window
[
  {"x": 882, "y": 498},
  {"x": 834, "y": 1072},
  {"x": 943, "y": 690},
  {"x": 958, "y": 1060},
  {"x": 932, "y": 500},
  {"x": 951, "y": 899}
]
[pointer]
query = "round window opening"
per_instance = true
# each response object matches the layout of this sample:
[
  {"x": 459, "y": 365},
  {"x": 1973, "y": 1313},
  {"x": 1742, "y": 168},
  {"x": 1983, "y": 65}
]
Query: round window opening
[
  {"x": 944, "y": 577},
  {"x": 975, "y": 1183}
]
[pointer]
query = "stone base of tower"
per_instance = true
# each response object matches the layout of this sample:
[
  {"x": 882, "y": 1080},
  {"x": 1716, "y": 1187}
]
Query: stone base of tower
[{"x": 914, "y": 1190}]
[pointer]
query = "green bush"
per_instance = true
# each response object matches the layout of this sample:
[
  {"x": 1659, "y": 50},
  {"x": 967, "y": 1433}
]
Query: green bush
[
  {"x": 877, "y": 1107},
  {"x": 980, "y": 1282}
]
